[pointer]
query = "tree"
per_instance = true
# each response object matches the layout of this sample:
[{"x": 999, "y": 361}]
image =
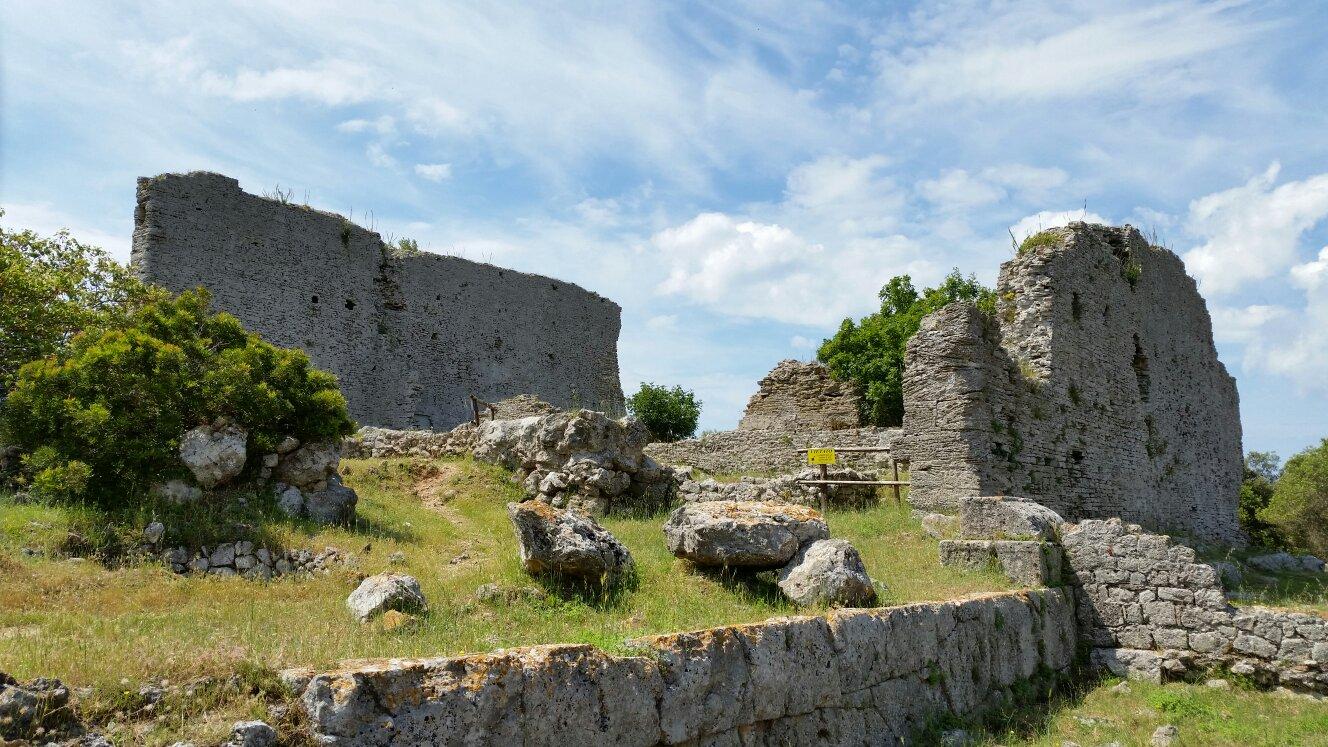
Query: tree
[
  {"x": 670, "y": 414},
  {"x": 1299, "y": 506},
  {"x": 1262, "y": 469},
  {"x": 103, "y": 416},
  {"x": 870, "y": 353},
  {"x": 54, "y": 288}
]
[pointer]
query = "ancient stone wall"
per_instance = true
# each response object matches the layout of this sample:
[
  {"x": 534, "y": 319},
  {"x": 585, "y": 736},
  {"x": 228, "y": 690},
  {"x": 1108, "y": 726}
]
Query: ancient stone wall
[
  {"x": 849, "y": 677},
  {"x": 797, "y": 397},
  {"x": 1096, "y": 390},
  {"x": 773, "y": 451},
  {"x": 410, "y": 338}
]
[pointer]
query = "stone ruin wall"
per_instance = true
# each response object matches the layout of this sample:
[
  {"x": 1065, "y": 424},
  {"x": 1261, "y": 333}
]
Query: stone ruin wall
[
  {"x": 1096, "y": 391},
  {"x": 798, "y": 405},
  {"x": 849, "y": 677},
  {"x": 409, "y": 338}
]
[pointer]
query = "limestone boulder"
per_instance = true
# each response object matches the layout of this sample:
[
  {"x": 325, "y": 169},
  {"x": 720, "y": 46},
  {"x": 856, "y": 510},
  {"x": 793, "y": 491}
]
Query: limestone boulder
[
  {"x": 1001, "y": 517},
  {"x": 178, "y": 492},
  {"x": 828, "y": 572},
  {"x": 215, "y": 454},
  {"x": 252, "y": 734},
  {"x": 742, "y": 534},
  {"x": 567, "y": 544},
  {"x": 26, "y": 707},
  {"x": 309, "y": 466},
  {"x": 386, "y": 591},
  {"x": 334, "y": 504}
]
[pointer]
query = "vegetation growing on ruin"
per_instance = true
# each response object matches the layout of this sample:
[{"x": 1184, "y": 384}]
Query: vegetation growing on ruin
[
  {"x": 670, "y": 414},
  {"x": 1039, "y": 239},
  {"x": 870, "y": 352}
]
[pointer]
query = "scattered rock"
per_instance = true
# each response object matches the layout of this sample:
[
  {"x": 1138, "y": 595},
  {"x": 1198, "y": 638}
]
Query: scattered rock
[
  {"x": 215, "y": 454},
  {"x": 1165, "y": 736},
  {"x": 1121, "y": 688},
  {"x": 939, "y": 526},
  {"x": 828, "y": 572},
  {"x": 153, "y": 533},
  {"x": 495, "y": 594},
  {"x": 1000, "y": 517},
  {"x": 308, "y": 466},
  {"x": 1311, "y": 564},
  {"x": 1229, "y": 572},
  {"x": 386, "y": 591},
  {"x": 252, "y": 734},
  {"x": 39, "y": 706},
  {"x": 568, "y": 544},
  {"x": 178, "y": 492},
  {"x": 334, "y": 504},
  {"x": 1276, "y": 561},
  {"x": 1218, "y": 684},
  {"x": 742, "y": 534},
  {"x": 955, "y": 738},
  {"x": 397, "y": 558}
]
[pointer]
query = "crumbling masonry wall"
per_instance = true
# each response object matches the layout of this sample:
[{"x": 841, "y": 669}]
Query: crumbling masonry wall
[
  {"x": 410, "y": 338},
  {"x": 1096, "y": 390},
  {"x": 797, "y": 397}
]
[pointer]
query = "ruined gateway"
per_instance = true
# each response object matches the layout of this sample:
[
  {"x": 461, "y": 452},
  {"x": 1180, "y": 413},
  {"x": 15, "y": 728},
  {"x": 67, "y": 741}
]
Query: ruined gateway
[
  {"x": 409, "y": 337},
  {"x": 1095, "y": 390}
]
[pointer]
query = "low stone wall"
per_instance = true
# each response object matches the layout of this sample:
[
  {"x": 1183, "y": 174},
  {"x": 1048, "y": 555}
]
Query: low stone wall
[
  {"x": 785, "y": 489},
  {"x": 849, "y": 677},
  {"x": 382, "y": 443},
  {"x": 771, "y": 450},
  {"x": 1151, "y": 611}
]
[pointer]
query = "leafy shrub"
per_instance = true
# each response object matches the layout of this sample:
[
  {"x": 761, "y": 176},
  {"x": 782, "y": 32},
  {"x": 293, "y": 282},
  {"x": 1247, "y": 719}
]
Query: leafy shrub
[
  {"x": 54, "y": 288},
  {"x": 670, "y": 414},
  {"x": 1256, "y": 492},
  {"x": 1299, "y": 506},
  {"x": 117, "y": 400},
  {"x": 871, "y": 352}
]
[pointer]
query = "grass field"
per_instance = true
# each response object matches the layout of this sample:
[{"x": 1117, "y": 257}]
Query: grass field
[{"x": 114, "y": 629}]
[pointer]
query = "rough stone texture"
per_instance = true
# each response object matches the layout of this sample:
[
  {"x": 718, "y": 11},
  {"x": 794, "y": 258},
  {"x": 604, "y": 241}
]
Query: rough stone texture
[
  {"x": 1149, "y": 609},
  {"x": 42, "y": 704},
  {"x": 772, "y": 451},
  {"x": 1283, "y": 561},
  {"x": 579, "y": 459},
  {"x": 308, "y": 466},
  {"x": 243, "y": 558},
  {"x": 849, "y": 677},
  {"x": 741, "y": 534},
  {"x": 1027, "y": 563},
  {"x": 178, "y": 492},
  {"x": 784, "y": 489},
  {"x": 567, "y": 544},
  {"x": 386, "y": 591},
  {"x": 998, "y": 517},
  {"x": 215, "y": 454},
  {"x": 829, "y": 572},
  {"x": 252, "y": 734},
  {"x": 379, "y": 443},
  {"x": 409, "y": 338},
  {"x": 334, "y": 504},
  {"x": 798, "y": 397},
  {"x": 521, "y": 406},
  {"x": 1092, "y": 394}
]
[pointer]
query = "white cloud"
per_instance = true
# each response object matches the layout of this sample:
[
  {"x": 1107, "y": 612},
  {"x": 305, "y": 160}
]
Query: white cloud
[
  {"x": 798, "y": 342},
  {"x": 1252, "y": 232},
  {"x": 662, "y": 323},
  {"x": 1028, "y": 51},
  {"x": 379, "y": 156},
  {"x": 384, "y": 125},
  {"x": 1045, "y": 219},
  {"x": 1245, "y": 324},
  {"x": 434, "y": 172},
  {"x": 598, "y": 212},
  {"x": 847, "y": 195},
  {"x": 956, "y": 189}
]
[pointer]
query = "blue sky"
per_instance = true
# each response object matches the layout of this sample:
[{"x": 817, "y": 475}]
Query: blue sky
[{"x": 740, "y": 178}]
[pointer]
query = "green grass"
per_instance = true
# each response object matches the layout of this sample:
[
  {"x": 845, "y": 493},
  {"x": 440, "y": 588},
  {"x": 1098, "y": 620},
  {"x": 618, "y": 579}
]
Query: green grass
[
  {"x": 96, "y": 626},
  {"x": 1241, "y": 717},
  {"x": 1041, "y": 238}
]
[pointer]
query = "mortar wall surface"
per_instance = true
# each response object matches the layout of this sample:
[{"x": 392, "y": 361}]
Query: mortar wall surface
[{"x": 409, "y": 337}]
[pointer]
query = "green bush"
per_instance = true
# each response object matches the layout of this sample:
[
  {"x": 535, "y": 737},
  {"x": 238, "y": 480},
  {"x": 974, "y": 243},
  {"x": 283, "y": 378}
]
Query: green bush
[
  {"x": 670, "y": 414},
  {"x": 1299, "y": 506},
  {"x": 1256, "y": 492},
  {"x": 871, "y": 352},
  {"x": 117, "y": 400},
  {"x": 52, "y": 288}
]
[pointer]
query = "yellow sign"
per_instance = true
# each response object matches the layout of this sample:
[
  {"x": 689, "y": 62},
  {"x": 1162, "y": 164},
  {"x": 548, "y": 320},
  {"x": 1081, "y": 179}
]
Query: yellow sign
[{"x": 820, "y": 456}]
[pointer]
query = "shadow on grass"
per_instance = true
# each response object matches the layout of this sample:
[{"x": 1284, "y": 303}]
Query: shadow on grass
[
  {"x": 1028, "y": 715},
  {"x": 759, "y": 585},
  {"x": 601, "y": 596}
]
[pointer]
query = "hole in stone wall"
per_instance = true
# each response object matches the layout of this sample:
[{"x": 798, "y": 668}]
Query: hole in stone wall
[
  {"x": 433, "y": 336},
  {"x": 1077, "y": 456},
  {"x": 314, "y": 299},
  {"x": 350, "y": 304},
  {"x": 497, "y": 342},
  {"x": 1140, "y": 365},
  {"x": 1076, "y": 310}
]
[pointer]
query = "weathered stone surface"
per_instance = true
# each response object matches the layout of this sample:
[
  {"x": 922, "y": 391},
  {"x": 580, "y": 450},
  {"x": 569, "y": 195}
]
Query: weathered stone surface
[
  {"x": 828, "y": 572},
  {"x": 1135, "y": 664},
  {"x": 851, "y": 677},
  {"x": 1283, "y": 561},
  {"x": 797, "y": 397},
  {"x": 1095, "y": 390},
  {"x": 252, "y": 734},
  {"x": 409, "y": 337},
  {"x": 741, "y": 534},
  {"x": 386, "y": 591},
  {"x": 334, "y": 504},
  {"x": 1024, "y": 562},
  {"x": 773, "y": 450},
  {"x": 308, "y": 466},
  {"x": 26, "y": 707},
  {"x": 1000, "y": 517},
  {"x": 579, "y": 459},
  {"x": 215, "y": 454},
  {"x": 379, "y": 443},
  {"x": 153, "y": 533},
  {"x": 567, "y": 544},
  {"x": 785, "y": 489},
  {"x": 178, "y": 492}
]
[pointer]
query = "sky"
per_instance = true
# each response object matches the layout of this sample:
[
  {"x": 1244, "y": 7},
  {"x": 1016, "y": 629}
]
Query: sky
[{"x": 739, "y": 177}]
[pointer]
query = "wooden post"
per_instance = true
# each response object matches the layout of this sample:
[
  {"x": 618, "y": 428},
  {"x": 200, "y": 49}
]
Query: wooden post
[
  {"x": 825, "y": 489},
  {"x": 475, "y": 406},
  {"x": 894, "y": 465}
]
